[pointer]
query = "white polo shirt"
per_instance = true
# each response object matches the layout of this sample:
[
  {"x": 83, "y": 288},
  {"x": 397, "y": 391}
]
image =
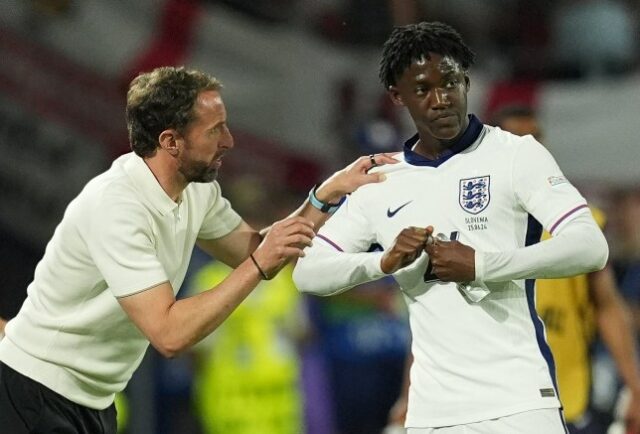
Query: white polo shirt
[
  {"x": 121, "y": 235},
  {"x": 473, "y": 360}
]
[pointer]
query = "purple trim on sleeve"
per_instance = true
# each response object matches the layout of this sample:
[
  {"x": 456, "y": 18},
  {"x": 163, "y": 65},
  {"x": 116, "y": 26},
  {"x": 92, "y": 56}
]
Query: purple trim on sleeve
[
  {"x": 563, "y": 218},
  {"x": 335, "y": 246}
]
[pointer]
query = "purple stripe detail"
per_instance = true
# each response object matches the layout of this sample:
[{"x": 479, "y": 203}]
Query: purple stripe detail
[
  {"x": 565, "y": 216},
  {"x": 335, "y": 246}
]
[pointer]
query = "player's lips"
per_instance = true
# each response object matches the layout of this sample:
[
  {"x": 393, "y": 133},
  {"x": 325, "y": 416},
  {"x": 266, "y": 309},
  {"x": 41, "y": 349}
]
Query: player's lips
[{"x": 446, "y": 116}]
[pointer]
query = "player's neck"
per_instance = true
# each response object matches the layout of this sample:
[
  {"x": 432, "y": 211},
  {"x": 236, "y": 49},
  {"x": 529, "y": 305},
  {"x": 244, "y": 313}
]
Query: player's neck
[{"x": 433, "y": 148}]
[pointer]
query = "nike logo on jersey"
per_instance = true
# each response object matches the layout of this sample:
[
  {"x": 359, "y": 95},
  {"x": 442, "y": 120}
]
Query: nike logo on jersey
[{"x": 395, "y": 211}]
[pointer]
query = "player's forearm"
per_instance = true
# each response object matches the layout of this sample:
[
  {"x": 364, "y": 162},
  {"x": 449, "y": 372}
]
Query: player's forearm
[
  {"x": 579, "y": 248},
  {"x": 324, "y": 271},
  {"x": 191, "y": 319}
]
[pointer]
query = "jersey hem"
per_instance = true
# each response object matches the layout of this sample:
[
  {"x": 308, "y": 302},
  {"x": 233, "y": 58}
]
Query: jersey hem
[{"x": 425, "y": 422}]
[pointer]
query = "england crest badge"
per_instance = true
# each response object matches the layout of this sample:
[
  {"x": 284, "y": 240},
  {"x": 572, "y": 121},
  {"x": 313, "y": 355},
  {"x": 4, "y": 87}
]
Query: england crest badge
[{"x": 474, "y": 194}]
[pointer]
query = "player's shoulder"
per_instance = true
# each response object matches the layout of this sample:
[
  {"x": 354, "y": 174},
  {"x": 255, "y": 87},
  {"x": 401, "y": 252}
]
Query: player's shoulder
[
  {"x": 392, "y": 168},
  {"x": 111, "y": 192},
  {"x": 498, "y": 136},
  {"x": 509, "y": 144}
]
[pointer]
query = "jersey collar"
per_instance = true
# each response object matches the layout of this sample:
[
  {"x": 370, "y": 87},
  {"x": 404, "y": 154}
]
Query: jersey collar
[
  {"x": 469, "y": 136},
  {"x": 148, "y": 185}
]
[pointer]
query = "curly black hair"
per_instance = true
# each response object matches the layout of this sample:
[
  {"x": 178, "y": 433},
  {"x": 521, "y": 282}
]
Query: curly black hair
[
  {"x": 412, "y": 42},
  {"x": 161, "y": 99}
]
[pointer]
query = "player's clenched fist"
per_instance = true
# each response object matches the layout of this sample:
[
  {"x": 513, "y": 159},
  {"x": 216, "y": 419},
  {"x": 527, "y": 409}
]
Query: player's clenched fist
[
  {"x": 405, "y": 249},
  {"x": 285, "y": 240},
  {"x": 452, "y": 261}
]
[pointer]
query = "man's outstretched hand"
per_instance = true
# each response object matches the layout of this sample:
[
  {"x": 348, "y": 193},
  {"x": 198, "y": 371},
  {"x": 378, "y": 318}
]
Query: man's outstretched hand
[{"x": 352, "y": 177}]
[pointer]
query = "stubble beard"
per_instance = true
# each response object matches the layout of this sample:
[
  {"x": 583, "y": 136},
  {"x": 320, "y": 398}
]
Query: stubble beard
[{"x": 198, "y": 171}]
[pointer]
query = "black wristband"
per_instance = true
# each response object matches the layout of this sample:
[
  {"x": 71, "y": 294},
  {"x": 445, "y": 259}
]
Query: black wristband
[{"x": 262, "y": 273}]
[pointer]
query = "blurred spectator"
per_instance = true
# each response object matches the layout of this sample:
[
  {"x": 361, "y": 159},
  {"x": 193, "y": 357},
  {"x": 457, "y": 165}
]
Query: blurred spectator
[
  {"x": 359, "y": 22},
  {"x": 247, "y": 373},
  {"x": 592, "y": 38},
  {"x": 625, "y": 214},
  {"x": 572, "y": 309},
  {"x": 247, "y": 377},
  {"x": 488, "y": 23},
  {"x": 270, "y": 11},
  {"x": 627, "y": 253},
  {"x": 364, "y": 335},
  {"x": 52, "y": 7}
]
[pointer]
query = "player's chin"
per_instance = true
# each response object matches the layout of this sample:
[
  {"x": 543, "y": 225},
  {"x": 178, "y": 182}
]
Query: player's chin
[
  {"x": 204, "y": 177},
  {"x": 446, "y": 133}
]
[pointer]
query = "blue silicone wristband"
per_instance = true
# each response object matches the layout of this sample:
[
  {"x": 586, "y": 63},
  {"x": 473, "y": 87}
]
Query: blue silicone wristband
[{"x": 328, "y": 208}]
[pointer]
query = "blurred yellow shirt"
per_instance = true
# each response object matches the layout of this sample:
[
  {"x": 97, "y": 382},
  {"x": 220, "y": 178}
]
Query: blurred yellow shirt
[
  {"x": 247, "y": 378},
  {"x": 566, "y": 308}
]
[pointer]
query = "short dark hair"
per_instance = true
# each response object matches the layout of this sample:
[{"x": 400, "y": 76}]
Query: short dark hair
[
  {"x": 412, "y": 42},
  {"x": 161, "y": 99},
  {"x": 511, "y": 111}
]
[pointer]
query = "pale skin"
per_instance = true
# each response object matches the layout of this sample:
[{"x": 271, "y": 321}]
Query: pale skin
[{"x": 171, "y": 325}]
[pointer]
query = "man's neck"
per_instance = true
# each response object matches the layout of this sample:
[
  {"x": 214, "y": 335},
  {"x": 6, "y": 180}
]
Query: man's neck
[
  {"x": 432, "y": 148},
  {"x": 165, "y": 169}
]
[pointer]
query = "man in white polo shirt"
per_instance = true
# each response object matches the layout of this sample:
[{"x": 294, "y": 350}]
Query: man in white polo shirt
[
  {"x": 457, "y": 219},
  {"x": 106, "y": 285}
]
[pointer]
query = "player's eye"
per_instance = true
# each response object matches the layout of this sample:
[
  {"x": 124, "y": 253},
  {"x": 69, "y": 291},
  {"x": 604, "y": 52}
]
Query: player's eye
[{"x": 450, "y": 84}]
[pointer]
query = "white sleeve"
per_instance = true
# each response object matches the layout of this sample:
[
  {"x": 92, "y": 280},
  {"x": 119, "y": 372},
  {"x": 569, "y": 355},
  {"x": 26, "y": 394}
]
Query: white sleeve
[
  {"x": 327, "y": 271},
  {"x": 221, "y": 218},
  {"x": 121, "y": 243},
  {"x": 576, "y": 248},
  {"x": 541, "y": 188},
  {"x": 338, "y": 259}
]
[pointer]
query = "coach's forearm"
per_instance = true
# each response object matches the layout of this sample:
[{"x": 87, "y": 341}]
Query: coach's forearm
[{"x": 191, "y": 319}]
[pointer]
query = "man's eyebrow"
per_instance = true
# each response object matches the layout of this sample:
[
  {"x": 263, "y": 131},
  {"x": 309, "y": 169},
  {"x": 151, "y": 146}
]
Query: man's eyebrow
[{"x": 217, "y": 124}]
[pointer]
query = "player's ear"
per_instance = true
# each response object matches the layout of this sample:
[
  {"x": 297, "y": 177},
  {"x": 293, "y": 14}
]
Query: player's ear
[
  {"x": 467, "y": 82},
  {"x": 395, "y": 95},
  {"x": 168, "y": 140}
]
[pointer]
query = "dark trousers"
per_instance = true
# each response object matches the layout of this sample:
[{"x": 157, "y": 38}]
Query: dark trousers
[{"x": 28, "y": 407}]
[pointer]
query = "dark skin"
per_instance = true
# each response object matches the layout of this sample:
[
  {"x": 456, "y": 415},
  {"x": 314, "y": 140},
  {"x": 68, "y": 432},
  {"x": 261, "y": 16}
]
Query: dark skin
[{"x": 434, "y": 91}]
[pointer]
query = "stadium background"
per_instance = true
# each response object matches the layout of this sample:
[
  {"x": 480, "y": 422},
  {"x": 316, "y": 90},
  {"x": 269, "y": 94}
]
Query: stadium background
[{"x": 303, "y": 98}]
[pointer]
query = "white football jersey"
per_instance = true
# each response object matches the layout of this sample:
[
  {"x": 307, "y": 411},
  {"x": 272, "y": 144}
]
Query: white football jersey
[{"x": 481, "y": 360}]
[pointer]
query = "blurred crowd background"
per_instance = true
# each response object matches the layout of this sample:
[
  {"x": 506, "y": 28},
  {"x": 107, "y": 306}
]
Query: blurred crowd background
[{"x": 303, "y": 99}]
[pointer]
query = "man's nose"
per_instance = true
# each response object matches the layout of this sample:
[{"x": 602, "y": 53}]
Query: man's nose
[
  {"x": 227, "y": 139},
  {"x": 441, "y": 98}
]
